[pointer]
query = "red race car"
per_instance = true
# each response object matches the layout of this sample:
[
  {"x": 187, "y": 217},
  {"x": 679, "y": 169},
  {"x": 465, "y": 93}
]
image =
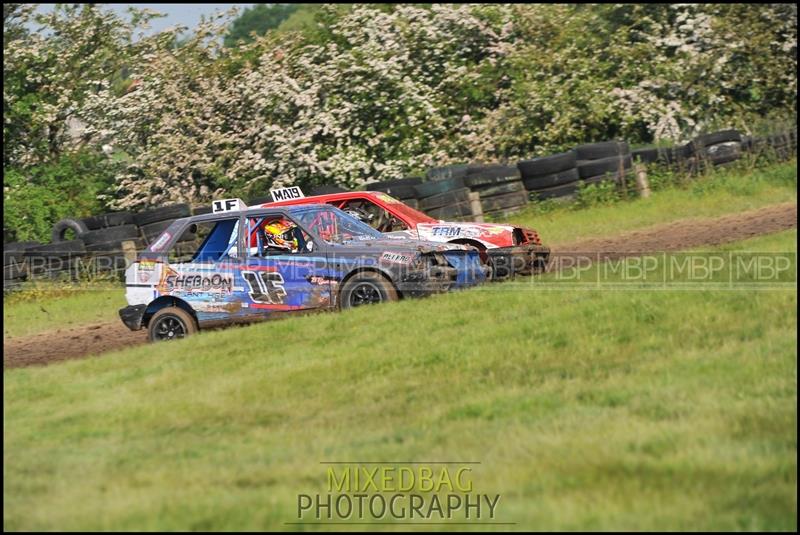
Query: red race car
[{"x": 508, "y": 249}]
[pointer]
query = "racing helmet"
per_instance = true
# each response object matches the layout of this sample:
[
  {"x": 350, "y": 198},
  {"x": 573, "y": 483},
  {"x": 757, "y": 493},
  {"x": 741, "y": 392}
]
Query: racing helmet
[{"x": 280, "y": 235}]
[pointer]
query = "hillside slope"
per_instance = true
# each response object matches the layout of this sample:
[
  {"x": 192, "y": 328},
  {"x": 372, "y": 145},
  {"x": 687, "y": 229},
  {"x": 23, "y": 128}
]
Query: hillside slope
[{"x": 587, "y": 409}]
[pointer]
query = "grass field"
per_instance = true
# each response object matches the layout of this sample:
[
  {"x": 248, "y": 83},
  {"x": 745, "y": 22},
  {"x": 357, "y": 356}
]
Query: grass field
[
  {"x": 722, "y": 193},
  {"x": 63, "y": 307},
  {"x": 587, "y": 409}
]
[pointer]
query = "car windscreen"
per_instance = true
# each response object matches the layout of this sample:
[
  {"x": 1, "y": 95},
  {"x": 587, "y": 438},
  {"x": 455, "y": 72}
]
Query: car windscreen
[{"x": 335, "y": 226}]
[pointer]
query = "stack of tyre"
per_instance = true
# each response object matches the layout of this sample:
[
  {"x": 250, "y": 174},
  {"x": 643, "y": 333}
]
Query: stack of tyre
[
  {"x": 717, "y": 148},
  {"x": 782, "y": 145},
  {"x": 14, "y": 267},
  {"x": 105, "y": 237},
  {"x": 499, "y": 187},
  {"x": 676, "y": 157},
  {"x": 445, "y": 195},
  {"x": 550, "y": 177},
  {"x": 607, "y": 160},
  {"x": 403, "y": 189},
  {"x": 60, "y": 260}
]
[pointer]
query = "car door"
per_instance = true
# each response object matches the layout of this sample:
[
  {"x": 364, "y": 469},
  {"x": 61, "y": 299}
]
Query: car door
[
  {"x": 283, "y": 280},
  {"x": 199, "y": 271}
]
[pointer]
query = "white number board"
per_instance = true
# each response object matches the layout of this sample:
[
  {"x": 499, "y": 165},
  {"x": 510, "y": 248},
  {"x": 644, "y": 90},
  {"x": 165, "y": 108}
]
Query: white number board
[
  {"x": 228, "y": 205},
  {"x": 285, "y": 194}
]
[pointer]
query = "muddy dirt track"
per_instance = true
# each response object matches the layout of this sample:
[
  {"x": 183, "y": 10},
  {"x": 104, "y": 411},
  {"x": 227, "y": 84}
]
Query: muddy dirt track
[{"x": 95, "y": 339}]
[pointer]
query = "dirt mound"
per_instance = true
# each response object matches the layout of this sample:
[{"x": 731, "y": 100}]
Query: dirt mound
[
  {"x": 69, "y": 343},
  {"x": 84, "y": 341},
  {"x": 687, "y": 234}
]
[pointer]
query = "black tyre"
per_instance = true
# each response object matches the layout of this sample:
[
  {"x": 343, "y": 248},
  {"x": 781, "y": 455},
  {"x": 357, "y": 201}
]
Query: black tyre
[
  {"x": 175, "y": 211},
  {"x": 380, "y": 186},
  {"x": 14, "y": 271},
  {"x": 200, "y": 210},
  {"x": 716, "y": 137},
  {"x": 171, "y": 323},
  {"x": 563, "y": 191},
  {"x": 606, "y": 165},
  {"x": 604, "y": 149},
  {"x": 366, "y": 288},
  {"x": 62, "y": 249},
  {"x": 547, "y": 165},
  {"x": 453, "y": 211},
  {"x": 112, "y": 234},
  {"x": 112, "y": 219},
  {"x": 502, "y": 202},
  {"x": 497, "y": 172},
  {"x": 443, "y": 199},
  {"x": 501, "y": 189},
  {"x": 723, "y": 152},
  {"x": 552, "y": 180},
  {"x": 61, "y": 228},
  {"x": 429, "y": 189},
  {"x": 115, "y": 246},
  {"x": 646, "y": 155},
  {"x": 480, "y": 182},
  {"x": 447, "y": 172},
  {"x": 14, "y": 252}
]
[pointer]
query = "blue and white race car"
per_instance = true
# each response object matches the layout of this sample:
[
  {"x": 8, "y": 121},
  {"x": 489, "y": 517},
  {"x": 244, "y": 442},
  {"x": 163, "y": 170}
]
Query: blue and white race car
[{"x": 259, "y": 263}]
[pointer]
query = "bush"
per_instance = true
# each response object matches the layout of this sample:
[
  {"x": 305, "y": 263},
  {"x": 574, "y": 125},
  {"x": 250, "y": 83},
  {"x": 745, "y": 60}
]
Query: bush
[{"x": 37, "y": 197}]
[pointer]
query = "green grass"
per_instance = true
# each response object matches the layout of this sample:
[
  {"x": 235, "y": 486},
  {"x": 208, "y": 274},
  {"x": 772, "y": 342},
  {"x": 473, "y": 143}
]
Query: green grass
[
  {"x": 587, "y": 409},
  {"x": 42, "y": 309},
  {"x": 724, "y": 192}
]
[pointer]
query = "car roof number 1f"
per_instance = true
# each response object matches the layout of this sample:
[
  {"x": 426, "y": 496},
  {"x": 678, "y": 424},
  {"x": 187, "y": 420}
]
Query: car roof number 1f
[{"x": 228, "y": 205}]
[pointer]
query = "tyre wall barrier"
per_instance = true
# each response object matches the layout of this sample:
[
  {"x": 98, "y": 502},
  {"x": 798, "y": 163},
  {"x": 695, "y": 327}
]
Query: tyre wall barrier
[{"x": 466, "y": 191}]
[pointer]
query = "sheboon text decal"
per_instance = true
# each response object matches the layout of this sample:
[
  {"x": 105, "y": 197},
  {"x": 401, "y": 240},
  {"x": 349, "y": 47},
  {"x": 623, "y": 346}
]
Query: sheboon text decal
[
  {"x": 265, "y": 287},
  {"x": 200, "y": 282}
]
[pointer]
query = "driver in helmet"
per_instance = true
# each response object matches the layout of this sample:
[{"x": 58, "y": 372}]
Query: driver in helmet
[{"x": 279, "y": 235}]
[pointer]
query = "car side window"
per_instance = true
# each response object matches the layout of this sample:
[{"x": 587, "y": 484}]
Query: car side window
[
  {"x": 204, "y": 241},
  {"x": 373, "y": 215},
  {"x": 272, "y": 235}
]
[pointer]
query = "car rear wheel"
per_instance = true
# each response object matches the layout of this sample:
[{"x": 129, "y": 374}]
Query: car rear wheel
[
  {"x": 366, "y": 289},
  {"x": 170, "y": 323}
]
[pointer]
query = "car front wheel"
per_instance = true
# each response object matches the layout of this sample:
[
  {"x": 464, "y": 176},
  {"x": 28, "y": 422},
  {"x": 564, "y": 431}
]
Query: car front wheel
[
  {"x": 171, "y": 323},
  {"x": 366, "y": 289}
]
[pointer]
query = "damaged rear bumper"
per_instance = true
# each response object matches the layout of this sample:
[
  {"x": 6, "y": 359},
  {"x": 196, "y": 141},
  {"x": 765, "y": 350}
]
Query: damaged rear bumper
[
  {"x": 132, "y": 316},
  {"x": 518, "y": 260}
]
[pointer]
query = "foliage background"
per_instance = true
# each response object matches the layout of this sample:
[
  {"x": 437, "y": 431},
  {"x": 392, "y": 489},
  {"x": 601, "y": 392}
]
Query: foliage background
[{"x": 349, "y": 94}]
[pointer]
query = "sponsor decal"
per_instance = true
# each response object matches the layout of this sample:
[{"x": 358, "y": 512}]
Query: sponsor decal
[
  {"x": 396, "y": 258},
  {"x": 145, "y": 270},
  {"x": 195, "y": 282},
  {"x": 317, "y": 280},
  {"x": 265, "y": 287},
  {"x": 446, "y": 232},
  {"x": 161, "y": 242}
]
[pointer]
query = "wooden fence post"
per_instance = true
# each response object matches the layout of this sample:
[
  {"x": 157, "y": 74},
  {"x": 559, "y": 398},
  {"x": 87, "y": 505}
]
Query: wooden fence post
[
  {"x": 475, "y": 206},
  {"x": 642, "y": 185}
]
